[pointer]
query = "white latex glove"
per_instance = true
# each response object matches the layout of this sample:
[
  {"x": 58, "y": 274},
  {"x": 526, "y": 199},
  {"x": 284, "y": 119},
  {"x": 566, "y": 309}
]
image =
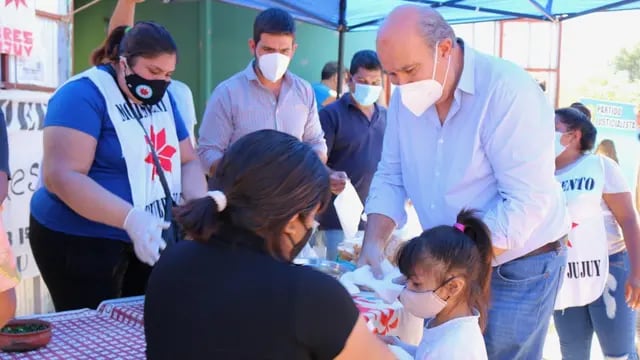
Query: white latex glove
[{"x": 145, "y": 231}]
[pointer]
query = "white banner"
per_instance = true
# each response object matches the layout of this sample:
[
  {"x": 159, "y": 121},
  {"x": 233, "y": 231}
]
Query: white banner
[
  {"x": 17, "y": 27},
  {"x": 24, "y": 113},
  {"x": 42, "y": 66}
]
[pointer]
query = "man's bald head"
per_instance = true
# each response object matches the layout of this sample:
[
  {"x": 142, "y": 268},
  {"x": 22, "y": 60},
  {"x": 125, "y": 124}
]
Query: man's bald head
[
  {"x": 416, "y": 20},
  {"x": 406, "y": 44}
]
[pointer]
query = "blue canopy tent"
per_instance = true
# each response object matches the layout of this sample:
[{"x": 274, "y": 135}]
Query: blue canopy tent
[{"x": 364, "y": 15}]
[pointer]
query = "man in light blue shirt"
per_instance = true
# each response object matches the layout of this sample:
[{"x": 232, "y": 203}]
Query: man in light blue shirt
[
  {"x": 325, "y": 90},
  {"x": 467, "y": 130}
]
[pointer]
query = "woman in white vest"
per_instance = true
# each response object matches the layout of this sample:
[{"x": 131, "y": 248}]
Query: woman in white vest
[
  {"x": 96, "y": 225},
  {"x": 601, "y": 287}
]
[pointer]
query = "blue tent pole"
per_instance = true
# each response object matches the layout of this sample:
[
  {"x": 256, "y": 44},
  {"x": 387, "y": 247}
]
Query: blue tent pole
[{"x": 342, "y": 28}]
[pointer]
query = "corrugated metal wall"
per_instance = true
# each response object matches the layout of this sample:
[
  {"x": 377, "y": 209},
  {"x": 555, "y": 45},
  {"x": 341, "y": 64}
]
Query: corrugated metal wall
[{"x": 33, "y": 297}]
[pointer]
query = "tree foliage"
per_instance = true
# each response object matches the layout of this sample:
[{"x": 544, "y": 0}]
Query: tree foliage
[
  {"x": 616, "y": 87},
  {"x": 629, "y": 62}
]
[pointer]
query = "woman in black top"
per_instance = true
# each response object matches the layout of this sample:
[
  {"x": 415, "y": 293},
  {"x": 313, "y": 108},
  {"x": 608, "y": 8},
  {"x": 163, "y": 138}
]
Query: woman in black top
[{"x": 233, "y": 293}]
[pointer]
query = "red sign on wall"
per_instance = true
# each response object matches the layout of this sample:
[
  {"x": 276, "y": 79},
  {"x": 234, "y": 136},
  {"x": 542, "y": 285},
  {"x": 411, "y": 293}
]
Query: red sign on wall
[{"x": 17, "y": 25}]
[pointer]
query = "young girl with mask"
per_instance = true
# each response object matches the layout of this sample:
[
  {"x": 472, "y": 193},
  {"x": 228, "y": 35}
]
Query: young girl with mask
[
  {"x": 239, "y": 294},
  {"x": 448, "y": 271}
]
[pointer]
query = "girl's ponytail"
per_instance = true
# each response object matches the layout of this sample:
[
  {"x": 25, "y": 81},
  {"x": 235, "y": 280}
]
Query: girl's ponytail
[
  {"x": 479, "y": 233},
  {"x": 199, "y": 218}
]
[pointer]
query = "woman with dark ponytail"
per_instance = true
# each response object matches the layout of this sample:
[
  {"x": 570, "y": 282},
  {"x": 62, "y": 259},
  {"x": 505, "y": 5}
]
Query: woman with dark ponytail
[
  {"x": 117, "y": 155},
  {"x": 448, "y": 271},
  {"x": 109, "y": 51},
  {"x": 233, "y": 292}
]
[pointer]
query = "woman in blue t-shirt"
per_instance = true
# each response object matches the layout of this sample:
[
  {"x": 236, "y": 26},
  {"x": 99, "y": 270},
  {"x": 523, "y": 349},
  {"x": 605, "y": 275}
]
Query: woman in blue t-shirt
[{"x": 96, "y": 225}]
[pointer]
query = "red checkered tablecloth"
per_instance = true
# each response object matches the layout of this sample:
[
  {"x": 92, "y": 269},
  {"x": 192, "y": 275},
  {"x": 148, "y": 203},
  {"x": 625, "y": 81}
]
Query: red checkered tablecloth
[
  {"x": 382, "y": 317},
  {"x": 116, "y": 330},
  {"x": 87, "y": 335},
  {"x": 129, "y": 310}
]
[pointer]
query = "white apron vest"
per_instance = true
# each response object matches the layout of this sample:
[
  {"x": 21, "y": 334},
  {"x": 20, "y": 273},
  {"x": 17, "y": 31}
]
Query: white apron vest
[
  {"x": 146, "y": 188},
  {"x": 587, "y": 256}
]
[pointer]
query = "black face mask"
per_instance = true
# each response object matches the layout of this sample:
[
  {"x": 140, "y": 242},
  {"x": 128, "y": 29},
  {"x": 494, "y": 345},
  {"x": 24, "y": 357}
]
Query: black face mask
[
  {"x": 149, "y": 92},
  {"x": 297, "y": 247}
]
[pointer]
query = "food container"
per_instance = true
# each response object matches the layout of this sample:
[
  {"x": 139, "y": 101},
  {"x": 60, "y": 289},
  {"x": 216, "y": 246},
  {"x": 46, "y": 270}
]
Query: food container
[
  {"x": 350, "y": 250},
  {"x": 24, "y": 335},
  {"x": 331, "y": 268}
]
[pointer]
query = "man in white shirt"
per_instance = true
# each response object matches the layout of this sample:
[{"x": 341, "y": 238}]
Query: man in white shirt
[{"x": 467, "y": 130}]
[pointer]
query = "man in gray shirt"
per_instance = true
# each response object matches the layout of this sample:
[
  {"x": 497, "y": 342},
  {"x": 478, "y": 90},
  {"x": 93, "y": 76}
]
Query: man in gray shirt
[{"x": 263, "y": 96}]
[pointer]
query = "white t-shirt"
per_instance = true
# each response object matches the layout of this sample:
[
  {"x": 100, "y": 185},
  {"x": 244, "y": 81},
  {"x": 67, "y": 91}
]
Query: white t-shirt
[
  {"x": 184, "y": 102},
  {"x": 457, "y": 339},
  {"x": 614, "y": 183}
]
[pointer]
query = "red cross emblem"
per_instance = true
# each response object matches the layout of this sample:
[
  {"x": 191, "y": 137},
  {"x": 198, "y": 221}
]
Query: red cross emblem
[
  {"x": 17, "y": 2},
  {"x": 165, "y": 152}
]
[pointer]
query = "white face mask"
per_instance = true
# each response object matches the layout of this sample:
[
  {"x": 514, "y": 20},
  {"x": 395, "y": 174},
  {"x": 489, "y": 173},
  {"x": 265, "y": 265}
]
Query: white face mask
[
  {"x": 558, "y": 146},
  {"x": 418, "y": 96},
  {"x": 366, "y": 95},
  {"x": 273, "y": 66},
  {"x": 424, "y": 305}
]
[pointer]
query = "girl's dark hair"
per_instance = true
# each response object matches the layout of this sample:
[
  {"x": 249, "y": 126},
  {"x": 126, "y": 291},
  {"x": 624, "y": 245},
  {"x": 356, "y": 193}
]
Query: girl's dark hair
[
  {"x": 574, "y": 120},
  {"x": 268, "y": 177},
  {"x": 146, "y": 38},
  {"x": 445, "y": 249},
  {"x": 582, "y": 108}
]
